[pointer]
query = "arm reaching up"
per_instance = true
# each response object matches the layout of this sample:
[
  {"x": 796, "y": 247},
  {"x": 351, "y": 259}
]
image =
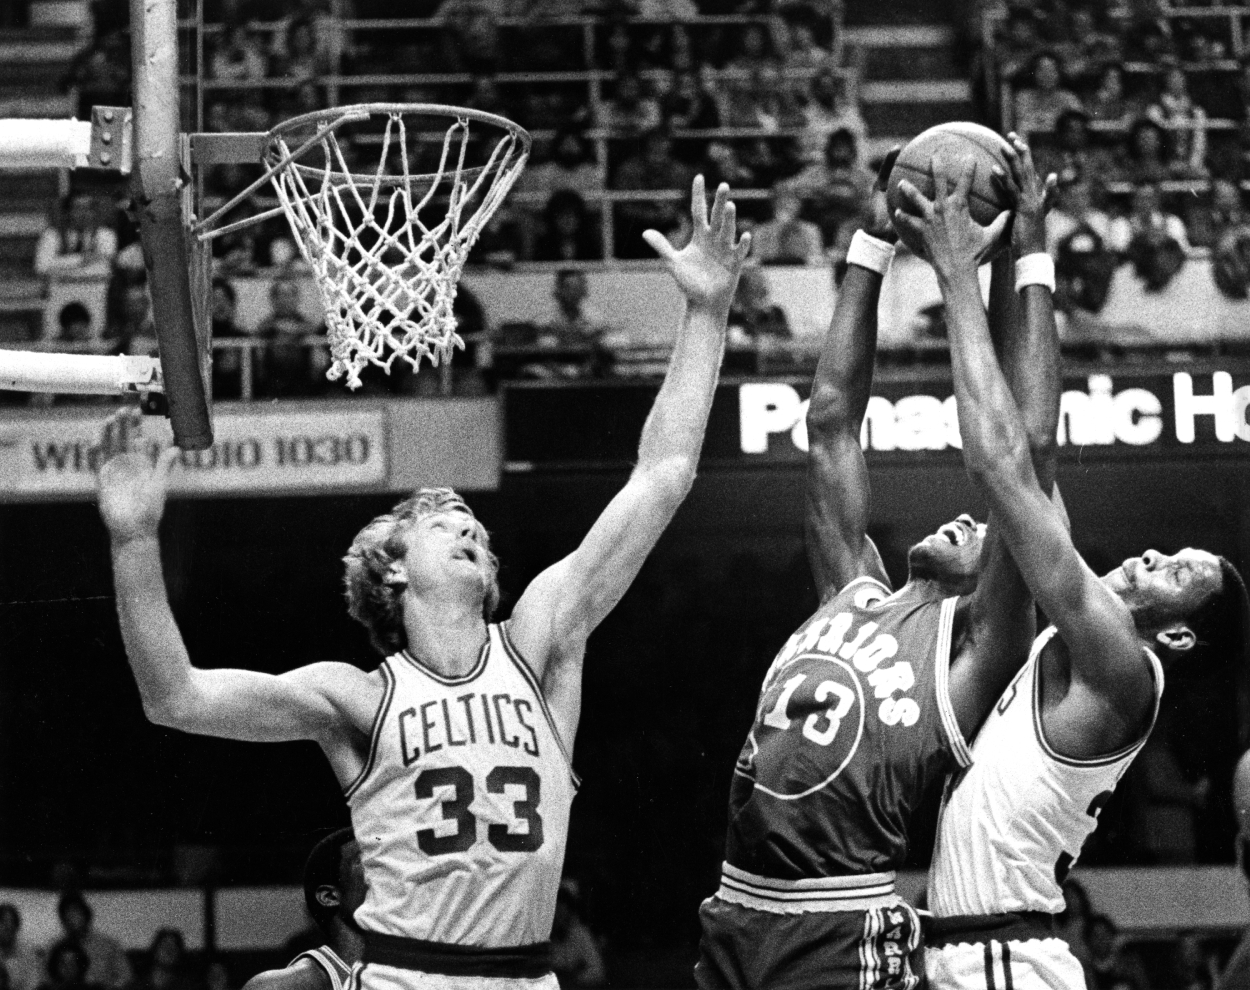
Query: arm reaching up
[
  {"x": 331, "y": 703},
  {"x": 1096, "y": 627},
  {"x": 838, "y": 492},
  {"x": 564, "y": 604}
]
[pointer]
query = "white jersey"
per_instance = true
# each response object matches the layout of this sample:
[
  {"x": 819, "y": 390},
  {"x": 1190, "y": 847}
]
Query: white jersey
[
  {"x": 1013, "y": 823},
  {"x": 462, "y": 809}
]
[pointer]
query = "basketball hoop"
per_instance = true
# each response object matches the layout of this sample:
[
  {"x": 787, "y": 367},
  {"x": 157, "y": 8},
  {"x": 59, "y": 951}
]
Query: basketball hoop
[{"x": 387, "y": 246}]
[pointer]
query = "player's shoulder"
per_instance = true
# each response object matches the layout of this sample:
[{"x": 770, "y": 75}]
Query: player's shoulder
[
  {"x": 861, "y": 592},
  {"x": 303, "y": 974},
  {"x": 351, "y": 689}
]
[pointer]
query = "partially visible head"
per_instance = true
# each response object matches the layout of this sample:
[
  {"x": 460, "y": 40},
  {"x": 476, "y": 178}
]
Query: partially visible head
[
  {"x": 841, "y": 148},
  {"x": 950, "y": 556},
  {"x": 75, "y": 321},
  {"x": 222, "y": 302},
  {"x": 1046, "y": 71},
  {"x": 1072, "y": 130},
  {"x": 284, "y": 297},
  {"x": 786, "y": 204},
  {"x": 80, "y": 211},
  {"x": 1184, "y": 600},
  {"x": 752, "y": 287},
  {"x": 1175, "y": 83},
  {"x": 569, "y": 149},
  {"x": 1146, "y": 139},
  {"x": 334, "y": 880},
  {"x": 1101, "y": 935},
  {"x": 566, "y": 212},
  {"x": 75, "y": 913},
  {"x": 10, "y": 923},
  {"x": 136, "y": 306},
  {"x": 67, "y": 963},
  {"x": 1147, "y": 199},
  {"x": 1225, "y": 196},
  {"x": 657, "y": 146},
  {"x": 1111, "y": 82},
  {"x": 168, "y": 949},
  {"x": 570, "y": 288},
  {"x": 434, "y": 531}
]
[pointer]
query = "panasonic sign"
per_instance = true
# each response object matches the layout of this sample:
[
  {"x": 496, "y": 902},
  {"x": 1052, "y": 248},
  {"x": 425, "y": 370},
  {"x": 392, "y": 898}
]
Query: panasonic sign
[{"x": 775, "y": 412}]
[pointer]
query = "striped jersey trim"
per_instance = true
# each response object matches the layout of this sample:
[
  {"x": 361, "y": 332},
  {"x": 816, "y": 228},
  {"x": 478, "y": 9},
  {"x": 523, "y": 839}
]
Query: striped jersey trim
[
  {"x": 330, "y": 961},
  {"x": 527, "y": 672},
  {"x": 811, "y": 894},
  {"x": 434, "y": 675},
  {"x": 941, "y": 674},
  {"x": 1124, "y": 752},
  {"x": 375, "y": 734}
]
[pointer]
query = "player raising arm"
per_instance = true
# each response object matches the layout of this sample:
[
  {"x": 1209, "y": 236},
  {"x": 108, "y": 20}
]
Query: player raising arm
[
  {"x": 1067, "y": 728},
  {"x": 454, "y": 752},
  {"x": 868, "y": 706}
]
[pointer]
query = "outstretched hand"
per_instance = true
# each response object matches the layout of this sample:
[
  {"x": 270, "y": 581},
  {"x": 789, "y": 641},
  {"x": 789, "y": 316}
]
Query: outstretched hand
[
  {"x": 130, "y": 484},
  {"x": 950, "y": 238},
  {"x": 1030, "y": 195},
  {"x": 707, "y": 268}
]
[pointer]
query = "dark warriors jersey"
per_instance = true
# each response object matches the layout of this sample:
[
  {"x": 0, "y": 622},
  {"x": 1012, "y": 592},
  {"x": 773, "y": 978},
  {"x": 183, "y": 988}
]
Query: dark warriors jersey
[{"x": 854, "y": 723}]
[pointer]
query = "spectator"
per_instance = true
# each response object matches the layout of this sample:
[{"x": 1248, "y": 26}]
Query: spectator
[
  {"x": 68, "y": 967},
  {"x": 1156, "y": 259},
  {"x": 827, "y": 109},
  {"x": 1074, "y": 208},
  {"x": 1221, "y": 209},
  {"x": 485, "y": 96},
  {"x": 1039, "y": 106},
  {"x": 1108, "y": 104},
  {"x": 754, "y": 49},
  {"x": 754, "y": 319},
  {"x": 1072, "y": 151},
  {"x": 1145, "y": 159},
  {"x": 472, "y": 43},
  {"x": 1147, "y": 214},
  {"x": 571, "y": 165},
  {"x": 100, "y": 74},
  {"x": 107, "y": 963},
  {"x": 786, "y": 239},
  {"x": 1194, "y": 966},
  {"x": 228, "y": 362},
  {"x": 569, "y": 232},
  {"x": 291, "y": 365},
  {"x": 239, "y": 55},
  {"x": 1186, "y": 125},
  {"x": 722, "y": 163},
  {"x": 77, "y": 246},
  {"x": 630, "y": 111},
  {"x": 762, "y": 102},
  {"x": 167, "y": 968},
  {"x": 575, "y": 954},
  {"x": 1019, "y": 42},
  {"x": 577, "y": 323},
  {"x": 130, "y": 329},
  {"x": 690, "y": 105},
  {"x": 1084, "y": 267},
  {"x": 18, "y": 959},
  {"x": 1109, "y": 962},
  {"x": 836, "y": 190},
  {"x": 1088, "y": 49},
  {"x": 802, "y": 52},
  {"x": 652, "y": 168},
  {"x": 75, "y": 323},
  {"x": 1230, "y": 262}
]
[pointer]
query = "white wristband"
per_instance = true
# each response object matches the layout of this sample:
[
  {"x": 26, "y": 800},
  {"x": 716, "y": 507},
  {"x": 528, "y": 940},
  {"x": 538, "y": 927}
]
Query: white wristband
[
  {"x": 870, "y": 252},
  {"x": 1035, "y": 269}
]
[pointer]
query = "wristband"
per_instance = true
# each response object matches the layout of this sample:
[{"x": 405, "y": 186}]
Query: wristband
[
  {"x": 1035, "y": 269},
  {"x": 869, "y": 252}
]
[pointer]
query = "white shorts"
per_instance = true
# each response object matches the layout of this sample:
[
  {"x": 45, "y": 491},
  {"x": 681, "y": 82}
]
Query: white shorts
[
  {"x": 1029, "y": 964},
  {"x": 375, "y": 976}
]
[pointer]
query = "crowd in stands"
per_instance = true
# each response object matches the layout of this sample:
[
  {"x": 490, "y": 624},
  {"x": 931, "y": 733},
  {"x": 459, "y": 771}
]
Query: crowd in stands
[{"x": 1143, "y": 115}]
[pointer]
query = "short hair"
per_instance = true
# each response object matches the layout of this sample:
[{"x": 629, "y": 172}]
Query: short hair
[
  {"x": 64, "y": 946},
  {"x": 71, "y": 899},
  {"x": 1222, "y": 627},
  {"x": 324, "y": 869},
  {"x": 73, "y": 312},
  {"x": 373, "y": 602},
  {"x": 12, "y": 911}
]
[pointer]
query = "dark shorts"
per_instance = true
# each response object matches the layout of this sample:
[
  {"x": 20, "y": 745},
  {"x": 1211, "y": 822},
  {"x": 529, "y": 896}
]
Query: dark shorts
[{"x": 744, "y": 948}]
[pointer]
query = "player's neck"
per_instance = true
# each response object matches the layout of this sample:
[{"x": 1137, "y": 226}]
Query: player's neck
[
  {"x": 446, "y": 636},
  {"x": 348, "y": 944},
  {"x": 924, "y": 587}
]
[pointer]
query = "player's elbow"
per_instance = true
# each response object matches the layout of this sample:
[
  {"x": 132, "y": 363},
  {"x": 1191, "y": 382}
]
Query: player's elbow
[
  {"x": 828, "y": 412},
  {"x": 670, "y": 480},
  {"x": 997, "y": 459},
  {"x": 170, "y": 710}
]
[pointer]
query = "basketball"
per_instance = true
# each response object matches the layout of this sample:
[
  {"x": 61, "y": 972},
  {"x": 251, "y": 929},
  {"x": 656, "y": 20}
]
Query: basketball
[{"x": 956, "y": 142}]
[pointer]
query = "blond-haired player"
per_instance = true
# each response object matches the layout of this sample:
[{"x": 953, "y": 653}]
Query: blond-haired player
[{"x": 453, "y": 753}]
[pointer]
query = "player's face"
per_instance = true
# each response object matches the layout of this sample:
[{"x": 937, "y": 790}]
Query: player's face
[
  {"x": 447, "y": 547},
  {"x": 951, "y": 555},
  {"x": 351, "y": 879},
  {"x": 1162, "y": 588}
]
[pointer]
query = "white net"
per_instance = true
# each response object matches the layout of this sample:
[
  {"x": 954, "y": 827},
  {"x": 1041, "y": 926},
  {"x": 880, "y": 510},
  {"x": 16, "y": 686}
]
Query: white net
[{"x": 387, "y": 248}]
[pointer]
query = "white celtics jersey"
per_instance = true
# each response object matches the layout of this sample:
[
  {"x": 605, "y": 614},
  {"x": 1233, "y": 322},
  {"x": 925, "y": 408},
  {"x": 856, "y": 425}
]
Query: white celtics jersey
[
  {"x": 1013, "y": 823},
  {"x": 462, "y": 809}
]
